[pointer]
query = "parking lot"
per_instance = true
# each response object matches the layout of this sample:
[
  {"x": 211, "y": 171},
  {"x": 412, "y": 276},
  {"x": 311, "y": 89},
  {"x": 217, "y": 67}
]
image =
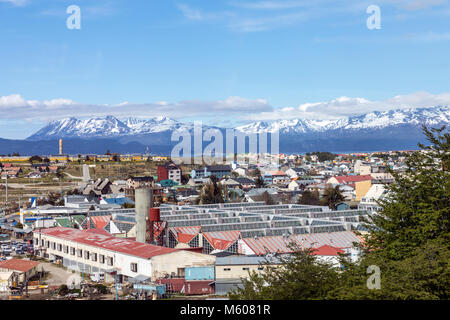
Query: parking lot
[{"x": 14, "y": 248}]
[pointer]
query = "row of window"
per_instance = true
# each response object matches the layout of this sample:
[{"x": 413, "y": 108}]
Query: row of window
[
  {"x": 78, "y": 252},
  {"x": 86, "y": 254},
  {"x": 244, "y": 268}
]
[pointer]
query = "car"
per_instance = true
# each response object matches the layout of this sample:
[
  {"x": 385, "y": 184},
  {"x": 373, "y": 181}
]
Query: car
[{"x": 4, "y": 245}]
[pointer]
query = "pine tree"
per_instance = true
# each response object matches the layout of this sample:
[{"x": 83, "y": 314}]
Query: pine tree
[{"x": 417, "y": 208}]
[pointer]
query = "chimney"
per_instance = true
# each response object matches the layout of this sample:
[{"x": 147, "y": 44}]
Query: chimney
[
  {"x": 60, "y": 147},
  {"x": 144, "y": 201}
]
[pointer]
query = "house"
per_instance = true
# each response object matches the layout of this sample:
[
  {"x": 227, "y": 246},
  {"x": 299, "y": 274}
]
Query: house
[
  {"x": 98, "y": 188},
  {"x": 139, "y": 182},
  {"x": 198, "y": 182},
  {"x": 53, "y": 169},
  {"x": 376, "y": 193},
  {"x": 296, "y": 172},
  {"x": 219, "y": 171},
  {"x": 24, "y": 269},
  {"x": 241, "y": 182},
  {"x": 276, "y": 177},
  {"x": 348, "y": 179},
  {"x": 9, "y": 174},
  {"x": 242, "y": 172},
  {"x": 169, "y": 171},
  {"x": 34, "y": 175}
]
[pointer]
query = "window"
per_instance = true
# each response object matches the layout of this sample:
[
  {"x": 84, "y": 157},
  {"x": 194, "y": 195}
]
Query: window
[
  {"x": 260, "y": 268},
  {"x": 47, "y": 244},
  {"x": 42, "y": 243},
  {"x": 80, "y": 253},
  {"x": 66, "y": 249},
  {"x": 72, "y": 251},
  {"x": 102, "y": 258},
  {"x": 226, "y": 269},
  {"x": 110, "y": 261},
  {"x": 245, "y": 269},
  {"x": 94, "y": 257},
  {"x": 53, "y": 245},
  {"x": 59, "y": 247},
  {"x": 134, "y": 267},
  {"x": 86, "y": 255}
]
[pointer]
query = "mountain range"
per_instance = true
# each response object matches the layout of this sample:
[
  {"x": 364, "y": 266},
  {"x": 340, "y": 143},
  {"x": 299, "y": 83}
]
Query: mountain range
[{"x": 374, "y": 131}]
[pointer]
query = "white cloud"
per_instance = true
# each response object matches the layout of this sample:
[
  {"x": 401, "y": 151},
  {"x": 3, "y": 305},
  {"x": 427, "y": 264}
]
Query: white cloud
[
  {"x": 16, "y": 107},
  {"x": 345, "y": 106},
  {"x": 230, "y": 109},
  {"x": 18, "y": 3}
]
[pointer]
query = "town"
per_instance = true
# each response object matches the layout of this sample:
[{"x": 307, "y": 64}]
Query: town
[{"x": 139, "y": 226}]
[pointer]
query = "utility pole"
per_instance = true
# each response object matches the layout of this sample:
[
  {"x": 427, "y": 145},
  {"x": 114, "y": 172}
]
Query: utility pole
[{"x": 6, "y": 203}]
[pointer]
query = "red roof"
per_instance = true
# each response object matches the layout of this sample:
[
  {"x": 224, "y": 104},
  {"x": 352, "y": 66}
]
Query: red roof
[
  {"x": 18, "y": 265},
  {"x": 99, "y": 231},
  {"x": 108, "y": 242},
  {"x": 100, "y": 221},
  {"x": 350, "y": 179},
  {"x": 327, "y": 250}
]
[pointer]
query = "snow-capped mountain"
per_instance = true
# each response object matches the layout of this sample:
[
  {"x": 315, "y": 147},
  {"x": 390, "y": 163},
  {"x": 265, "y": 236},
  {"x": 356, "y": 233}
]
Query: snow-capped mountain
[
  {"x": 372, "y": 120},
  {"x": 386, "y": 130},
  {"x": 107, "y": 127}
]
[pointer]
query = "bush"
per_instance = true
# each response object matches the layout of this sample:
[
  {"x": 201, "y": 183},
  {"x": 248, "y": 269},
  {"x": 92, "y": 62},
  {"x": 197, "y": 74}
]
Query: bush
[
  {"x": 101, "y": 288},
  {"x": 63, "y": 290}
]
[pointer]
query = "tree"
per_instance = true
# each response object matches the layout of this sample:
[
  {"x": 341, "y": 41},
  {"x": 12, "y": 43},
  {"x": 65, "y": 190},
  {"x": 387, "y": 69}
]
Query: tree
[
  {"x": 300, "y": 276},
  {"x": 409, "y": 238},
  {"x": 259, "y": 182},
  {"x": 35, "y": 159},
  {"x": 417, "y": 209},
  {"x": 211, "y": 192},
  {"x": 309, "y": 198},
  {"x": 332, "y": 196},
  {"x": 267, "y": 198},
  {"x": 255, "y": 173}
]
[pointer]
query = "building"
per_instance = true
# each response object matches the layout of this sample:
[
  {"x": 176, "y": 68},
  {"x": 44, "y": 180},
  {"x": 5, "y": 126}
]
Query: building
[
  {"x": 91, "y": 251},
  {"x": 169, "y": 171},
  {"x": 139, "y": 182},
  {"x": 219, "y": 171},
  {"x": 24, "y": 269},
  {"x": 369, "y": 202}
]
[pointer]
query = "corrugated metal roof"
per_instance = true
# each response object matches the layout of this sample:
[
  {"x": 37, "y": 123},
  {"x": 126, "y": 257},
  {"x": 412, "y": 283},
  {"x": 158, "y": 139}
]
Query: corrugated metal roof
[
  {"x": 112, "y": 243},
  {"x": 263, "y": 245},
  {"x": 18, "y": 265},
  {"x": 100, "y": 221}
]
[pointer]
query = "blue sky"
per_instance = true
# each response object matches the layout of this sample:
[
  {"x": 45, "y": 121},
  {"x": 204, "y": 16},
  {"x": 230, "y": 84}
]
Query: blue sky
[{"x": 224, "y": 62}]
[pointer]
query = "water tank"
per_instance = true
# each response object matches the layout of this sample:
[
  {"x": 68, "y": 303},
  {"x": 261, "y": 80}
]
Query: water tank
[{"x": 154, "y": 214}]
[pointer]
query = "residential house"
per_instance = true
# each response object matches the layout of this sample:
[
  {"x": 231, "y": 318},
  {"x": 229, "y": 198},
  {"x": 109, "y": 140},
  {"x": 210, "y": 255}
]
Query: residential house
[
  {"x": 220, "y": 171},
  {"x": 169, "y": 171}
]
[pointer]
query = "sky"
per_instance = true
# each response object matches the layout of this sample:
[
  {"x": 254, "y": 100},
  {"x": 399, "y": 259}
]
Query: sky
[{"x": 223, "y": 62}]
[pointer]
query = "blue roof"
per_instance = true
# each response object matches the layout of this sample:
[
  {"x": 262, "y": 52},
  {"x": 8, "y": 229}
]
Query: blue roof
[{"x": 119, "y": 201}]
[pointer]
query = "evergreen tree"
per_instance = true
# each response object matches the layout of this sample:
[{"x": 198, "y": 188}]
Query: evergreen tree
[
  {"x": 309, "y": 198},
  {"x": 332, "y": 196},
  {"x": 417, "y": 208}
]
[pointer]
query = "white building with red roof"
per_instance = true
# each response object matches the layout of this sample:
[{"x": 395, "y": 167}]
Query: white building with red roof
[{"x": 91, "y": 252}]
